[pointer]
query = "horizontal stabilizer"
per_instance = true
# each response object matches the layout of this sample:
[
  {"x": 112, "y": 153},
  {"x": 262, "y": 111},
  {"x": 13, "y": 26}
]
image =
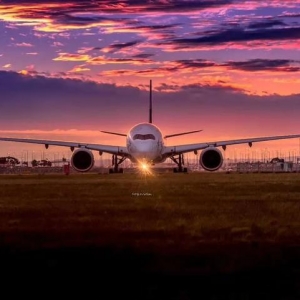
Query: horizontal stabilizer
[
  {"x": 182, "y": 133},
  {"x": 115, "y": 133}
]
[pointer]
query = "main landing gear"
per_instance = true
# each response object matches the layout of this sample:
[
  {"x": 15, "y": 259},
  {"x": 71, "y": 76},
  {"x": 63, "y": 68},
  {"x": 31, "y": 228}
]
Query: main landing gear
[
  {"x": 179, "y": 161},
  {"x": 115, "y": 164}
]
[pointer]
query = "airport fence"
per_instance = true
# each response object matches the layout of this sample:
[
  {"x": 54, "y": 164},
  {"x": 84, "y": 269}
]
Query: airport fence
[{"x": 259, "y": 167}]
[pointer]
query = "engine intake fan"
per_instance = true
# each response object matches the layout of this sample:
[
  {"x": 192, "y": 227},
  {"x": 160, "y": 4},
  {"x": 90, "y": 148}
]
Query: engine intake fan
[
  {"x": 82, "y": 160},
  {"x": 211, "y": 159}
]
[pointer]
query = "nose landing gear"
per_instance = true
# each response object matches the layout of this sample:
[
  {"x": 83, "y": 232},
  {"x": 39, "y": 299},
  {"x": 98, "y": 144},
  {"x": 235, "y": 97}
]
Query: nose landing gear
[
  {"x": 179, "y": 163},
  {"x": 115, "y": 164}
]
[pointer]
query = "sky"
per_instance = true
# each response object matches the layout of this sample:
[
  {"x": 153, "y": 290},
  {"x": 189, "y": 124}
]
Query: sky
[{"x": 69, "y": 69}]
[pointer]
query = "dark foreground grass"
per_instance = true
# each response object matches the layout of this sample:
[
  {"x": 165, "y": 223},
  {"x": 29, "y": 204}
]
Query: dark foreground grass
[{"x": 170, "y": 236}]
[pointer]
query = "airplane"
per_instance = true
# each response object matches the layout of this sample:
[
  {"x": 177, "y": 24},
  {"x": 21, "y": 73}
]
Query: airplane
[{"x": 145, "y": 145}]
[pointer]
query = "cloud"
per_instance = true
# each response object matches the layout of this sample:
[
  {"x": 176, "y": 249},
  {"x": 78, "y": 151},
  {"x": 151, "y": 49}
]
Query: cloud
[
  {"x": 84, "y": 50},
  {"x": 79, "y": 69},
  {"x": 143, "y": 55},
  {"x": 139, "y": 39},
  {"x": 150, "y": 32},
  {"x": 195, "y": 65},
  {"x": 118, "y": 46},
  {"x": 166, "y": 68},
  {"x": 289, "y": 15},
  {"x": 101, "y": 60},
  {"x": 57, "y": 44},
  {"x": 65, "y": 101},
  {"x": 6, "y": 66},
  {"x": 167, "y": 34},
  {"x": 251, "y": 65},
  {"x": 274, "y": 65},
  {"x": 23, "y": 45},
  {"x": 233, "y": 36},
  {"x": 130, "y": 6},
  {"x": 54, "y": 16},
  {"x": 266, "y": 24},
  {"x": 71, "y": 57}
]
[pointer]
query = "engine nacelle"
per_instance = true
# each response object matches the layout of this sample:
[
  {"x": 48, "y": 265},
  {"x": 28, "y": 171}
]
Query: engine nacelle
[
  {"x": 211, "y": 159},
  {"x": 82, "y": 160}
]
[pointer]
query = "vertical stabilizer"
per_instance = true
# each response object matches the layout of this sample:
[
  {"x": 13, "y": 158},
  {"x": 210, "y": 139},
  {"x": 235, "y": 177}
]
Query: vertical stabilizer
[{"x": 150, "y": 107}]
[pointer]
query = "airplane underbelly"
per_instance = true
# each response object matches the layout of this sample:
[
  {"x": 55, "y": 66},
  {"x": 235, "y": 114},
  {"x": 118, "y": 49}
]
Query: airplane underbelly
[
  {"x": 148, "y": 156},
  {"x": 145, "y": 154}
]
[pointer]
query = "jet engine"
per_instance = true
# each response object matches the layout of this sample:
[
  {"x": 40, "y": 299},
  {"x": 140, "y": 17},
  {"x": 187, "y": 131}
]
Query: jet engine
[
  {"x": 211, "y": 159},
  {"x": 82, "y": 160}
]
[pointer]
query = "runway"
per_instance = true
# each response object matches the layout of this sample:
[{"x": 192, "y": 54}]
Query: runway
[{"x": 176, "y": 236}]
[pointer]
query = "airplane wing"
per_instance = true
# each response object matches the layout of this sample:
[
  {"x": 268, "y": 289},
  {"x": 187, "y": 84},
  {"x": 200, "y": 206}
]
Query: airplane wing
[
  {"x": 170, "y": 150},
  {"x": 115, "y": 133},
  {"x": 182, "y": 133},
  {"x": 102, "y": 148}
]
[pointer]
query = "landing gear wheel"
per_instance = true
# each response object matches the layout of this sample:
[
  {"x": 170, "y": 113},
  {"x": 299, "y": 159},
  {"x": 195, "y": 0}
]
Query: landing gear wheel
[
  {"x": 179, "y": 163},
  {"x": 115, "y": 164}
]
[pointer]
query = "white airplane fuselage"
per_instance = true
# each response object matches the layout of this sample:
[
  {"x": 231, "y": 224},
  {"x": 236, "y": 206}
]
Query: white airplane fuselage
[{"x": 145, "y": 143}]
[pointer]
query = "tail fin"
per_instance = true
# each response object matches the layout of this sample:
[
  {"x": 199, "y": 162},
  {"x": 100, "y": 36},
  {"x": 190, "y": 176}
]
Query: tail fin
[{"x": 150, "y": 107}]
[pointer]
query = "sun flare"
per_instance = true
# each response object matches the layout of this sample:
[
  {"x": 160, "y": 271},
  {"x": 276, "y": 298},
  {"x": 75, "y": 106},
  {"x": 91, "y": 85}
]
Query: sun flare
[{"x": 144, "y": 168}]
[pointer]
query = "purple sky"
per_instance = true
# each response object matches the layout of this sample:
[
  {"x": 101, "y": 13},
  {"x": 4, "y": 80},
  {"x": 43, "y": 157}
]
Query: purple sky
[{"x": 71, "y": 68}]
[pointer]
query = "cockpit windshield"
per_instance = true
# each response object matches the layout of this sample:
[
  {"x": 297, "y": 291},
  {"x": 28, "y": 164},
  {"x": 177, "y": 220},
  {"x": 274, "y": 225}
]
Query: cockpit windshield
[{"x": 143, "y": 137}]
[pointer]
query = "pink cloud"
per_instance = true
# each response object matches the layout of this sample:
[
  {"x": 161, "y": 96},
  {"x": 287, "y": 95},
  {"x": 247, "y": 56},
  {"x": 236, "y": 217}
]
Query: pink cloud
[
  {"x": 23, "y": 44},
  {"x": 6, "y": 66}
]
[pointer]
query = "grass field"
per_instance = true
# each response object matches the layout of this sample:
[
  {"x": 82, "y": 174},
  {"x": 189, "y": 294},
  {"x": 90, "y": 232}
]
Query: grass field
[{"x": 238, "y": 234}]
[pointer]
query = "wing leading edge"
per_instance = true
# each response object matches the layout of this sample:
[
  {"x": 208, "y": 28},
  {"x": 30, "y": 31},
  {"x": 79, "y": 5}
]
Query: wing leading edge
[
  {"x": 193, "y": 147},
  {"x": 98, "y": 147}
]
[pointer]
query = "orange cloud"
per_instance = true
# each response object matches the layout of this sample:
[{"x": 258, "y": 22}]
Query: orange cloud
[
  {"x": 29, "y": 70},
  {"x": 72, "y": 57},
  {"x": 101, "y": 60},
  {"x": 24, "y": 72},
  {"x": 79, "y": 69},
  {"x": 30, "y": 14}
]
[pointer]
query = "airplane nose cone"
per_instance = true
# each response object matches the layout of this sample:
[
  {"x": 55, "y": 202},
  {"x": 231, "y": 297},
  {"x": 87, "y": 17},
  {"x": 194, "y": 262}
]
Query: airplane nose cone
[
  {"x": 144, "y": 147},
  {"x": 145, "y": 150}
]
